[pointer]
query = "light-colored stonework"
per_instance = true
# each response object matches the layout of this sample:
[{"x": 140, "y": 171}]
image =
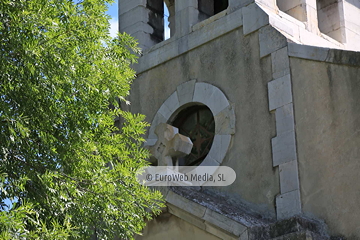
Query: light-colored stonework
[
  {"x": 194, "y": 93},
  {"x": 169, "y": 145},
  {"x": 286, "y": 71}
]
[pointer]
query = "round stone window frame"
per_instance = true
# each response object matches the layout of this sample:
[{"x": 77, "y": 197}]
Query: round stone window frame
[{"x": 198, "y": 93}]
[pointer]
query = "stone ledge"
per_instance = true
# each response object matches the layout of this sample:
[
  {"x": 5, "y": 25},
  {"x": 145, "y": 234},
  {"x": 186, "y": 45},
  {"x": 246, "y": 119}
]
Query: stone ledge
[
  {"x": 343, "y": 57},
  {"x": 205, "y": 218},
  {"x": 219, "y": 232},
  {"x": 304, "y": 235},
  {"x": 218, "y": 222},
  {"x": 172, "y": 47},
  {"x": 186, "y": 216},
  {"x": 212, "y": 226},
  {"x": 239, "y": 213},
  {"x": 296, "y": 225},
  {"x": 223, "y": 222},
  {"x": 324, "y": 54},
  {"x": 185, "y": 204},
  {"x": 209, "y": 20},
  {"x": 294, "y": 228},
  {"x": 307, "y": 52}
]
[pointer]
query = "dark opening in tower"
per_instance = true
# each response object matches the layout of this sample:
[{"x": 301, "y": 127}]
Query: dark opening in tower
[
  {"x": 294, "y": 8},
  {"x": 329, "y": 12},
  {"x": 208, "y": 8},
  {"x": 161, "y": 15}
]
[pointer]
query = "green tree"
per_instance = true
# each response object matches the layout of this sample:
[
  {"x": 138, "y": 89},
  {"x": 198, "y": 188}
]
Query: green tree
[{"x": 68, "y": 170}]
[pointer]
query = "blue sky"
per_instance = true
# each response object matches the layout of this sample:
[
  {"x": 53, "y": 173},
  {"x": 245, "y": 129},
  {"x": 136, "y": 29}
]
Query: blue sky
[{"x": 113, "y": 12}]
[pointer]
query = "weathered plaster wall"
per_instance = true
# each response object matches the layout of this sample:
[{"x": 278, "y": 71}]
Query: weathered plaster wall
[
  {"x": 168, "y": 226},
  {"x": 231, "y": 63},
  {"x": 327, "y": 115}
]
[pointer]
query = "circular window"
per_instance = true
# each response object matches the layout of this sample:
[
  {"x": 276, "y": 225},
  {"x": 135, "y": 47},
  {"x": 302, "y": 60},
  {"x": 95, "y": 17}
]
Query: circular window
[{"x": 197, "y": 123}]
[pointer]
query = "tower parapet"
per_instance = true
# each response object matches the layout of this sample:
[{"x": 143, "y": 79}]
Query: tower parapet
[{"x": 323, "y": 23}]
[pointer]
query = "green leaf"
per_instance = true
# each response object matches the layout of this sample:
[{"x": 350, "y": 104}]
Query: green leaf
[{"x": 70, "y": 171}]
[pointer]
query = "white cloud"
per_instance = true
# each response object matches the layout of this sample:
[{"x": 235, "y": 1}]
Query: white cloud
[{"x": 114, "y": 27}]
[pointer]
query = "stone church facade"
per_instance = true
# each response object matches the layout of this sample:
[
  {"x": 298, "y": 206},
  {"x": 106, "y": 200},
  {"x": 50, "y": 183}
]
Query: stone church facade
[{"x": 270, "y": 88}]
